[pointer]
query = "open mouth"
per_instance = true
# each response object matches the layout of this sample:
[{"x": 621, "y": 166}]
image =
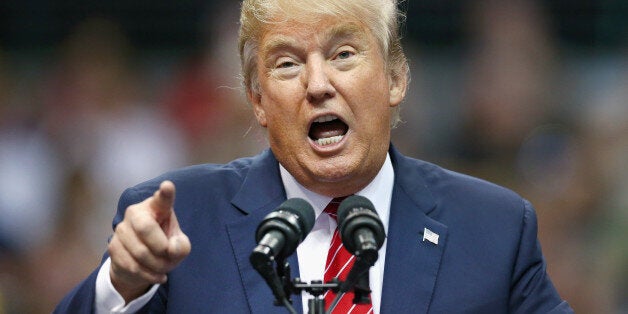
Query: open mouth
[{"x": 327, "y": 130}]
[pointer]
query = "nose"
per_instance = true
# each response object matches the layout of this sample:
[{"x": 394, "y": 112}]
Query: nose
[{"x": 317, "y": 80}]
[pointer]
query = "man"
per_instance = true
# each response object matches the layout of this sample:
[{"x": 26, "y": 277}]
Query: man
[{"x": 325, "y": 78}]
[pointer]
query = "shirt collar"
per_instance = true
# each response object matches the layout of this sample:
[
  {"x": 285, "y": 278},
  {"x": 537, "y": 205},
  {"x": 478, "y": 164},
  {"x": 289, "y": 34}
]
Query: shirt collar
[{"x": 378, "y": 191}]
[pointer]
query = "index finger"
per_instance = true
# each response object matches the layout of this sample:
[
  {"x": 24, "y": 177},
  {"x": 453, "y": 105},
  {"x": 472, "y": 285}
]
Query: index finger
[{"x": 162, "y": 201}]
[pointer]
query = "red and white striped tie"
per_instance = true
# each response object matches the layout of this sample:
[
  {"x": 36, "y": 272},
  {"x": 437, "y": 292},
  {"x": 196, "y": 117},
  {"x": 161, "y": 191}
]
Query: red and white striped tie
[{"x": 339, "y": 263}]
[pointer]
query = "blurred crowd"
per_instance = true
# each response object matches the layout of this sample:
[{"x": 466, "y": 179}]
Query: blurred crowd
[{"x": 81, "y": 123}]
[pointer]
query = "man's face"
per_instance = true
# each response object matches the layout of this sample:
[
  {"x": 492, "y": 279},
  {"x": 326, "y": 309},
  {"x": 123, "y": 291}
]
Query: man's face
[{"x": 325, "y": 97}]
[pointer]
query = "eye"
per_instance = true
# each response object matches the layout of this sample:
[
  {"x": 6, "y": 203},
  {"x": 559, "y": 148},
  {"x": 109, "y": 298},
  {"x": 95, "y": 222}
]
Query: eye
[
  {"x": 345, "y": 54},
  {"x": 285, "y": 65},
  {"x": 345, "y": 57}
]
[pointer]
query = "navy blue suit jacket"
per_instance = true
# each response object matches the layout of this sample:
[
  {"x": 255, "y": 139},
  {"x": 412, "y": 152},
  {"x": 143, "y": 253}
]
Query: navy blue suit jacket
[{"x": 487, "y": 260}]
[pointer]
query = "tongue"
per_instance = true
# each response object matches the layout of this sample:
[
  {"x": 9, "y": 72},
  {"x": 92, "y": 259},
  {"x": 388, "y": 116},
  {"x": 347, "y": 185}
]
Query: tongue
[{"x": 327, "y": 129}]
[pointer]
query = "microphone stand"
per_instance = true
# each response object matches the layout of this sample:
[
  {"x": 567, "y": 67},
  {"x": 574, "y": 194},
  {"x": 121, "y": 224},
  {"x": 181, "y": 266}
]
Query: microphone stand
[
  {"x": 358, "y": 280},
  {"x": 316, "y": 288}
]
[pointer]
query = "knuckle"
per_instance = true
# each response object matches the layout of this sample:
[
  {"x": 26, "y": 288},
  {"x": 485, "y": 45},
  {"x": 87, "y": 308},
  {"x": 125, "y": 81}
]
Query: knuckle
[
  {"x": 136, "y": 210},
  {"x": 143, "y": 226},
  {"x": 142, "y": 253},
  {"x": 112, "y": 241},
  {"x": 133, "y": 270},
  {"x": 121, "y": 229},
  {"x": 122, "y": 266},
  {"x": 131, "y": 211},
  {"x": 113, "y": 246}
]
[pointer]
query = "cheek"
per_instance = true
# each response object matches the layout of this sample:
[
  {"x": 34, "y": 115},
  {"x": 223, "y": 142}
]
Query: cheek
[
  {"x": 282, "y": 101},
  {"x": 373, "y": 107},
  {"x": 281, "y": 116},
  {"x": 374, "y": 97},
  {"x": 372, "y": 84}
]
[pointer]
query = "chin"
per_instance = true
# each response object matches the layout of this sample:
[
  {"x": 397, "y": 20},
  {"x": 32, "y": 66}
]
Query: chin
[{"x": 333, "y": 173}]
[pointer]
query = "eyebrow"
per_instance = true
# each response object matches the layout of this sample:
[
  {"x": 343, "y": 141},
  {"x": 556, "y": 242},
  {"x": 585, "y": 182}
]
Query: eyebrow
[
  {"x": 278, "y": 43},
  {"x": 344, "y": 30}
]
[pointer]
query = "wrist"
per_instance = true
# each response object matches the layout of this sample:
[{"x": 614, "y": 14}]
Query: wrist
[{"x": 128, "y": 289}]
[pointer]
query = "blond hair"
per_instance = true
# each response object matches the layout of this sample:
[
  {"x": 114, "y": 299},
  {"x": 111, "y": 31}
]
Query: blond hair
[{"x": 381, "y": 17}]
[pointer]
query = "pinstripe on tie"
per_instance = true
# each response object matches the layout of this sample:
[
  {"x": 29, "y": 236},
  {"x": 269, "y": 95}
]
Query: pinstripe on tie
[{"x": 339, "y": 263}]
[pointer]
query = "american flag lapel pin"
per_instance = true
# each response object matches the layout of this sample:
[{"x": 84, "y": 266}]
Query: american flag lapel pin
[{"x": 430, "y": 236}]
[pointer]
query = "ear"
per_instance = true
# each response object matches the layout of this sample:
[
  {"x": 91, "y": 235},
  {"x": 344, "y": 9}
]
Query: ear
[
  {"x": 397, "y": 86},
  {"x": 255, "y": 98}
]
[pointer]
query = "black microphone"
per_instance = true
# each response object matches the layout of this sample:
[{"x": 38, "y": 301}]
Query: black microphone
[
  {"x": 362, "y": 234},
  {"x": 360, "y": 228},
  {"x": 278, "y": 236},
  {"x": 281, "y": 231}
]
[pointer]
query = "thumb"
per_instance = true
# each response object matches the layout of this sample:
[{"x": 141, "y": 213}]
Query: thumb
[{"x": 179, "y": 246}]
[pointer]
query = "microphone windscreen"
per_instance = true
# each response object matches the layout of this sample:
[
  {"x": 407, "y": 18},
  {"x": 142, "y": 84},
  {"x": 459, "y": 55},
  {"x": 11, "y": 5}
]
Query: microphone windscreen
[
  {"x": 301, "y": 209},
  {"x": 353, "y": 201},
  {"x": 357, "y": 214}
]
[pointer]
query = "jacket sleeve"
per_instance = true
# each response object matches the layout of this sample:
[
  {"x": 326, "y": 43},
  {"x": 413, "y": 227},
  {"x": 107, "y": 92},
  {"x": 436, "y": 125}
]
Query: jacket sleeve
[{"x": 531, "y": 289}]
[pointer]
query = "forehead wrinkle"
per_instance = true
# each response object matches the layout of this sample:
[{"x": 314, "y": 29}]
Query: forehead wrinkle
[{"x": 348, "y": 30}]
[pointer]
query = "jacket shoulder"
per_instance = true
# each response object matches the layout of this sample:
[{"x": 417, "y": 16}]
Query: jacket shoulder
[{"x": 460, "y": 195}]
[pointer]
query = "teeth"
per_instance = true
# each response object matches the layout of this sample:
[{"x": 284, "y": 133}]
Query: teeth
[
  {"x": 329, "y": 140},
  {"x": 326, "y": 118}
]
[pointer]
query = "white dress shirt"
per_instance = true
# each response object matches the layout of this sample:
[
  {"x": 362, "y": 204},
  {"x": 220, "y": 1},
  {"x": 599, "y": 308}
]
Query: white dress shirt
[{"x": 312, "y": 252}]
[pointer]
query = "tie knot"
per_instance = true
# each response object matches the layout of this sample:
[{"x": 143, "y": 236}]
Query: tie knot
[{"x": 332, "y": 207}]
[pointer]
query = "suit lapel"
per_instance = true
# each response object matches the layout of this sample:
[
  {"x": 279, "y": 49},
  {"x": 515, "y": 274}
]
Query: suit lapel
[
  {"x": 412, "y": 263},
  {"x": 261, "y": 193}
]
